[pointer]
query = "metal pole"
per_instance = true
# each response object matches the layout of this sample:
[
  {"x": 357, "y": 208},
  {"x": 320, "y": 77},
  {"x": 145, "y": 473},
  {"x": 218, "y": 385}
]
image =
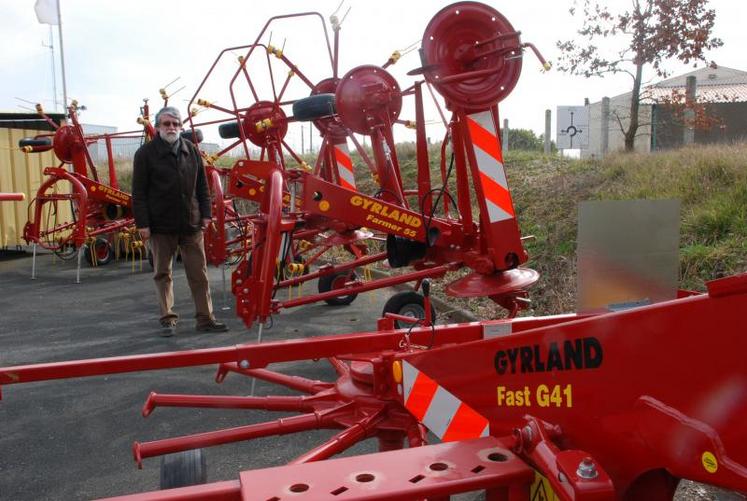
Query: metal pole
[
  {"x": 548, "y": 117},
  {"x": 689, "y": 127},
  {"x": 259, "y": 341},
  {"x": 302, "y": 140},
  {"x": 62, "y": 61},
  {"x": 33, "y": 262},
  {"x": 225, "y": 297},
  {"x": 505, "y": 135},
  {"x": 54, "y": 73},
  {"x": 81, "y": 249},
  {"x": 605, "y": 122},
  {"x": 311, "y": 139}
]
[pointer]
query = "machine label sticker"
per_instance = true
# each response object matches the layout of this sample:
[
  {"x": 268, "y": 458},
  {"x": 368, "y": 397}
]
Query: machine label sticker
[
  {"x": 111, "y": 194},
  {"x": 581, "y": 353},
  {"x": 391, "y": 219},
  {"x": 541, "y": 396},
  {"x": 710, "y": 463}
]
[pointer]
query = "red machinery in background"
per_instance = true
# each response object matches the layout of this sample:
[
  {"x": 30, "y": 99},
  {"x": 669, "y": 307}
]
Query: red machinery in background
[
  {"x": 100, "y": 214},
  {"x": 462, "y": 58}
]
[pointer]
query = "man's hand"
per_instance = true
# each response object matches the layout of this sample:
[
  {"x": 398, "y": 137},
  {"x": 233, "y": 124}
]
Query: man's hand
[
  {"x": 206, "y": 223},
  {"x": 144, "y": 233}
]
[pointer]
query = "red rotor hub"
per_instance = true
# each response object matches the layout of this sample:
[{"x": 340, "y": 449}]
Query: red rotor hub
[
  {"x": 470, "y": 37},
  {"x": 264, "y": 119},
  {"x": 368, "y": 97},
  {"x": 65, "y": 141}
]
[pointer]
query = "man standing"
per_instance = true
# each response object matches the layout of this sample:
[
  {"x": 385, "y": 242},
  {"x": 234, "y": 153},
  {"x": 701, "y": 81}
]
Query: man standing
[{"x": 171, "y": 204}]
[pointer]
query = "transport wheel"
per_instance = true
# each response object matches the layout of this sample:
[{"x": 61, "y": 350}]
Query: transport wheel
[
  {"x": 35, "y": 141},
  {"x": 409, "y": 304},
  {"x": 65, "y": 251},
  {"x": 337, "y": 281},
  {"x": 313, "y": 107},
  {"x": 104, "y": 252},
  {"x": 183, "y": 469}
]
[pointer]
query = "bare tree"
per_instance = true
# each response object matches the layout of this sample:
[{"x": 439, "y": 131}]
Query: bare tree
[{"x": 647, "y": 33}]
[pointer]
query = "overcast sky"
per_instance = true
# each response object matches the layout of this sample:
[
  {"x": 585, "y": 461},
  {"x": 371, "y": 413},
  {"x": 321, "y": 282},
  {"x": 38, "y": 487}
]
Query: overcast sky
[{"x": 119, "y": 52}]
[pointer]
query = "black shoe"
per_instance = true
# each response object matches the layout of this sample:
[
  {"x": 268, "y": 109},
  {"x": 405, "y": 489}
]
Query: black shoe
[
  {"x": 212, "y": 326},
  {"x": 168, "y": 328}
]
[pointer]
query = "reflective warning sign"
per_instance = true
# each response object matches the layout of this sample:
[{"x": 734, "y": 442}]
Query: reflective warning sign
[{"x": 541, "y": 489}]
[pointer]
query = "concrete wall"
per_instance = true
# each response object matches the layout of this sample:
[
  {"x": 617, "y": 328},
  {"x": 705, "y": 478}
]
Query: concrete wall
[
  {"x": 619, "y": 107},
  {"x": 21, "y": 173}
]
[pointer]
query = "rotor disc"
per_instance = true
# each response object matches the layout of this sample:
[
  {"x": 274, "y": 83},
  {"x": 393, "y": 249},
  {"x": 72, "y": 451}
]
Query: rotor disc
[
  {"x": 467, "y": 37},
  {"x": 366, "y": 97}
]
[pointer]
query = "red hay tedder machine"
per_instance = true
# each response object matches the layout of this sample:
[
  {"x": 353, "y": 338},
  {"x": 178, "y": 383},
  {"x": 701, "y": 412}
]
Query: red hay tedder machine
[
  {"x": 304, "y": 211},
  {"x": 100, "y": 214},
  {"x": 610, "y": 405}
]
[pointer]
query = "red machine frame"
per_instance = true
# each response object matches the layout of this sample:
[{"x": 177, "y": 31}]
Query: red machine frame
[
  {"x": 547, "y": 390},
  {"x": 100, "y": 211}
]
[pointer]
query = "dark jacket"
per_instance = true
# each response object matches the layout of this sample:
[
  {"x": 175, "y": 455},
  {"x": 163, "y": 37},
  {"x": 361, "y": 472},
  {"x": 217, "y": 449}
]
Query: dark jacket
[{"x": 169, "y": 191}]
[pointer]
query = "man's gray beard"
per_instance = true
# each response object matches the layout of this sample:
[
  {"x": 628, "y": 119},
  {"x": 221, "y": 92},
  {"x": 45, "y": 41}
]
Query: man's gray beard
[{"x": 165, "y": 137}]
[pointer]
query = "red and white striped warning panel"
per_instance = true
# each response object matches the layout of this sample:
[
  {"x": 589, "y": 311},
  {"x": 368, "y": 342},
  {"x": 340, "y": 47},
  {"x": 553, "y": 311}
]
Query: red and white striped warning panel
[
  {"x": 344, "y": 166},
  {"x": 489, "y": 158},
  {"x": 441, "y": 412}
]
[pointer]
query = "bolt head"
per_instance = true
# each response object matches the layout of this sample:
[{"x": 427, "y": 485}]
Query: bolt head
[
  {"x": 587, "y": 469},
  {"x": 244, "y": 364}
]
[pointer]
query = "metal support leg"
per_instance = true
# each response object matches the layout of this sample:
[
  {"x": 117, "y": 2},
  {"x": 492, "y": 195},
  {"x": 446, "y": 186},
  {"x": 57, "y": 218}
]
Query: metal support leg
[
  {"x": 33, "y": 263},
  {"x": 81, "y": 249},
  {"x": 225, "y": 296},
  {"x": 259, "y": 341}
]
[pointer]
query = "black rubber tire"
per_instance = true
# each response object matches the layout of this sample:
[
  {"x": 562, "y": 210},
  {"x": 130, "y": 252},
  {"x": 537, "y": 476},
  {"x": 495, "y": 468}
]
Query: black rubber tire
[
  {"x": 313, "y": 107},
  {"x": 408, "y": 303},
  {"x": 104, "y": 252},
  {"x": 150, "y": 259},
  {"x": 187, "y": 134},
  {"x": 335, "y": 281},
  {"x": 183, "y": 469},
  {"x": 229, "y": 130},
  {"x": 35, "y": 141}
]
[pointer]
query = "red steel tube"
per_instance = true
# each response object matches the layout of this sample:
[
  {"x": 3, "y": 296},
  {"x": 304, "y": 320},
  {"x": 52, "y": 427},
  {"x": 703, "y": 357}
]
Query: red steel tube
[
  {"x": 275, "y": 403},
  {"x": 293, "y": 382},
  {"x": 12, "y": 197},
  {"x": 373, "y": 258},
  {"x": 256, "y": 355},
  {"x": 371, "y": 285},
  {"x": 341, "y": 441},
  {"x": 228, "y": 490},
  {"x": 283, "y": 426}
]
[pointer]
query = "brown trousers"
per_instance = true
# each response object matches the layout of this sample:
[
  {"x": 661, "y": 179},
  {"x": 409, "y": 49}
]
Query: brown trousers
[{"x": 163, "y": 247}]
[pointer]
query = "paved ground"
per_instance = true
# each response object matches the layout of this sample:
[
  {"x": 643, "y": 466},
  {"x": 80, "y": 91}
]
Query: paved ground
[{"x": 71, "y": 439}]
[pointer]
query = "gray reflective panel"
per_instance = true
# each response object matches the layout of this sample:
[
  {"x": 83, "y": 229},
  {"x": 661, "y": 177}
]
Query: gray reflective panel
[{"x": 627, "y": 253}]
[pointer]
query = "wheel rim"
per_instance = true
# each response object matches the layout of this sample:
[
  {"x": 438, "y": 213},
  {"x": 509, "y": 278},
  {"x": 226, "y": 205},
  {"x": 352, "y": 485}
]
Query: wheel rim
[
  {"x": 413, "y": 311},
  {"x": 339, "y": 282},
  {"x": 102, "y": 250}
]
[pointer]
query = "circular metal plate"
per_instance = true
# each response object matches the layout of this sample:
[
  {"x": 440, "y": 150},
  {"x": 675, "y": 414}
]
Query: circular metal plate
[
  {"x": 478, "y": 285},
  {"x": 461, "y": 38},
  {"x": 259, "y": 111},
  {"x": 368, "y": 97}
]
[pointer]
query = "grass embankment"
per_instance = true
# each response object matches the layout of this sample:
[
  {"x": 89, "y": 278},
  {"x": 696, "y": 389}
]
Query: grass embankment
[{"x": 710, "y": 182}]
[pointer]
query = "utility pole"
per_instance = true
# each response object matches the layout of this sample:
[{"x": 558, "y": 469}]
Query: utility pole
[
  {"x": 62, "y": 60},
  {"x": 54, "y": 73}
]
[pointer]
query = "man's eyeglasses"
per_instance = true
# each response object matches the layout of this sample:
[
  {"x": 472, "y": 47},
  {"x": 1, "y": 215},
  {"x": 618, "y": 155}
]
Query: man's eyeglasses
[{"x": 169, "y": 123}]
